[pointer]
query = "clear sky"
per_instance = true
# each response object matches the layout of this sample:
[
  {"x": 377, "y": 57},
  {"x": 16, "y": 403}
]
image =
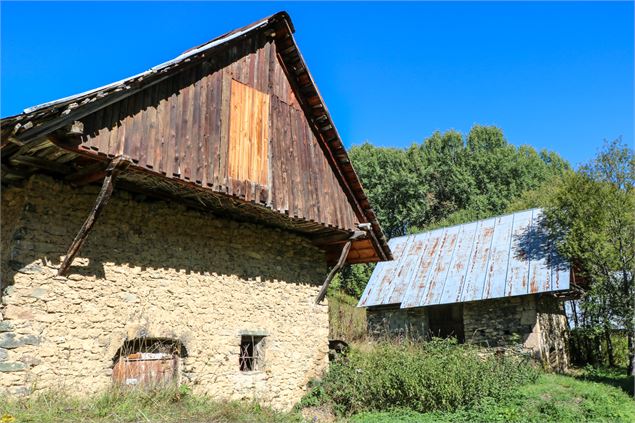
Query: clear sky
[{"x": 552, "y": 75}]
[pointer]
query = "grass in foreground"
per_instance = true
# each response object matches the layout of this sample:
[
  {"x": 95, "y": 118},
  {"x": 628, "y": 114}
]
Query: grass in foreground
[
  {"x": 163, "y": 406},
  {"x": 610, "y": 376},
  {"x": 553, "y": 398}
]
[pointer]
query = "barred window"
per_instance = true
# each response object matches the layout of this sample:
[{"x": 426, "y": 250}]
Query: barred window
[{"x": 251, "y": 353}]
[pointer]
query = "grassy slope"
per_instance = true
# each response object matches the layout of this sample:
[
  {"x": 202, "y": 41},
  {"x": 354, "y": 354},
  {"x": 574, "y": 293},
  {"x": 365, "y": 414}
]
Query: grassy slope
[
  {"x": 346, "y": 321},
  {"x": 554, "y": 398}
]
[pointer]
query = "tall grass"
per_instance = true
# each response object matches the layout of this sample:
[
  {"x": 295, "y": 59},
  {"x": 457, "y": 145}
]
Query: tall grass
[
  {"x": 346, "y": 321},
  {"x": 434, "y": 376},
  {"x": 124, "y": 405}
]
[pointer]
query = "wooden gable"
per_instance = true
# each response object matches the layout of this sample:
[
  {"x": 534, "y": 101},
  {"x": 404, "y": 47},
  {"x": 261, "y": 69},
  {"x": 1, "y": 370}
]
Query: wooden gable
[{"x": 231, "y": 124}]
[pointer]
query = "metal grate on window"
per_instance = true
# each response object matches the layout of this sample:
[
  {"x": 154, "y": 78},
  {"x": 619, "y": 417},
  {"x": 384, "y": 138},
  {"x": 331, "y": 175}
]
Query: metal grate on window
[{"x": 251, "y": 353}]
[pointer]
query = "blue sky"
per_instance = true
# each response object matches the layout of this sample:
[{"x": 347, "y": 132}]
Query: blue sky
[{"x": 552, "y": 75}]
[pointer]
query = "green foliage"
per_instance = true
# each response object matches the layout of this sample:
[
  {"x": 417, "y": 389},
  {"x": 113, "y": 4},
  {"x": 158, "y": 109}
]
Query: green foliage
[
  {"x": 592, "y": 219},
  {"x": 447, "y": 179},
  {"x": 438, "y": 375},
  {"x": 352, "y": 279},
  {"x": 590, "y": 216},
  {"x": 587, "y": 345},
  {"x": 540, "y": 197},
  {"x": 393, "y": 184},
  {"x": 165, "y": 405},
  {"x": 446, "y": 174},
  {"x": 554, "y": 398}
]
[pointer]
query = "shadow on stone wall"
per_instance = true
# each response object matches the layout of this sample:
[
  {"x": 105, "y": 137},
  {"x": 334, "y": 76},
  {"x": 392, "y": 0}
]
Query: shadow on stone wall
[{"x": 140, "y": 235}]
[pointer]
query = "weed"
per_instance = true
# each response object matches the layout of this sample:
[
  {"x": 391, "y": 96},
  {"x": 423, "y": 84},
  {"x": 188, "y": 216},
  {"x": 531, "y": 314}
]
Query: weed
[{"x": 433, "y": 376}]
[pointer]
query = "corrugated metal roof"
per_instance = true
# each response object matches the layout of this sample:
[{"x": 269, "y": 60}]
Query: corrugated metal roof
[{"x": 498, "y": 257}]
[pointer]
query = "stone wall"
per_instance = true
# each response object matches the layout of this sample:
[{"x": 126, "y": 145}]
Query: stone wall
[
  {"x": 154, "y": 269},
  {"x": 537, "y": 322},
  {"x": 393, "y": 322},
  {"x": 501, "y": 322},
  {"x": 554, "y": 333},
  {"x": 10, "y": 211}
]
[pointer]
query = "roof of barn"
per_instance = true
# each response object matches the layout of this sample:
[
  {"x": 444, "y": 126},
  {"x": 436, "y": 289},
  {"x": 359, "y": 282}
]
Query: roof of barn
[
  {"x": 38, "y": 121},
  {"x": 499, "y": 257}
]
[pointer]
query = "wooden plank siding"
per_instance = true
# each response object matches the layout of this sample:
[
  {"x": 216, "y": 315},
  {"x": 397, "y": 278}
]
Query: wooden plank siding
[{"x": 231, "y": 124}]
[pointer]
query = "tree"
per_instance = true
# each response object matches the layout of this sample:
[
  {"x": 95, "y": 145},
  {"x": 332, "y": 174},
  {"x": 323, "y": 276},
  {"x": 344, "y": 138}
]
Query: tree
[
  {"x": 591, "y": 218},
  {"x": 394, "y": 186},
  {"x": 441, "y": 161}
]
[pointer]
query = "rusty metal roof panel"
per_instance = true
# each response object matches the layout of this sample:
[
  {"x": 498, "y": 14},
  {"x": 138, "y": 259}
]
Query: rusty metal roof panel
[
  {"x": 386, "y": 275},
  {"x": 493, "y": 258}
]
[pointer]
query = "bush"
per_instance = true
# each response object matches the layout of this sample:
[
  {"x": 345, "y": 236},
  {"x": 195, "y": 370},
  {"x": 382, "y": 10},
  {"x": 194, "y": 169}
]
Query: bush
[
  {"x": 434, "y": 376},
  {"x": 588, "y": 346}
]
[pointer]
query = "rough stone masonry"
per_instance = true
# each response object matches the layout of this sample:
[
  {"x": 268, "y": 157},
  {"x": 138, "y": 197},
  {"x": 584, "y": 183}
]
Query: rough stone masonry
[
  {"x": 154, "y": 269},
  {"x": 537, "y": 323}
]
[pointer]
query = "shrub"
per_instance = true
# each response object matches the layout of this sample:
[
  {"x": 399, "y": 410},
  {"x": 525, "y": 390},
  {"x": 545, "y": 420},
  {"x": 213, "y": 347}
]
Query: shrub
[{"x": 434, "y": 376}]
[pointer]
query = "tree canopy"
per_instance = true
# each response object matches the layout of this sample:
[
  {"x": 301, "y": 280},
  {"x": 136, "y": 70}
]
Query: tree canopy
[{"x": 449, "y": 178}]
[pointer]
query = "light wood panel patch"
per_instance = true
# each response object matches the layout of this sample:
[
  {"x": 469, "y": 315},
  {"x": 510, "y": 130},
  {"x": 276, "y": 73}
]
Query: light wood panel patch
[{"x": 248, "y": 134}]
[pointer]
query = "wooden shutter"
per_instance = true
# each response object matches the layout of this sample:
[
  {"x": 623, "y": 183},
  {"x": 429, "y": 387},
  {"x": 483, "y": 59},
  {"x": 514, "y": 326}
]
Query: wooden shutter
[{"x": 248, "y": 134}]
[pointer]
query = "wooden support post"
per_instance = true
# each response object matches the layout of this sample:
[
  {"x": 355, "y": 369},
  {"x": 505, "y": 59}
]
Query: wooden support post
[
  {"x": 347, "y": 247},
  {"x": 334, "y": 270},
  {"x": 116, "y": 165}
]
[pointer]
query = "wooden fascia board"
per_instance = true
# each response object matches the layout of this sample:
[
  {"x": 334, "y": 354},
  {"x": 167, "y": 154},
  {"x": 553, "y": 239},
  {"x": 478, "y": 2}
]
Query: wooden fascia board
[{"x": 326, "y": 147}]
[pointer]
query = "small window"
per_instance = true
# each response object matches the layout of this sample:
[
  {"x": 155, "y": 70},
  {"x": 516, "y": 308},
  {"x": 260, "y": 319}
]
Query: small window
[{"x": 251, "y": 353}]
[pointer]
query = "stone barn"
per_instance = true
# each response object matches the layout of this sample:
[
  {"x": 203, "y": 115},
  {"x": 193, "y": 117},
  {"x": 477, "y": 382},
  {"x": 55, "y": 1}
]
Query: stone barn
[
  {"x": 176, "y": 227},
  {"x": 496, "y": 282}
]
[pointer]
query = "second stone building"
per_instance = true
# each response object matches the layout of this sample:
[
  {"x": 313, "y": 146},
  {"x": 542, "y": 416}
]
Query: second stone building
[{"x": 495, "y": 282}]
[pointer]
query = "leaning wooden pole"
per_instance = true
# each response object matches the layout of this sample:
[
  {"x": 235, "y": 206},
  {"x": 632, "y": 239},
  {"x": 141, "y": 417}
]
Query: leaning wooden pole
[
  {"x": 334, "y": 270},
  {"x": 116, "y": 165},
  {"x": 338, "y": 266}
]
